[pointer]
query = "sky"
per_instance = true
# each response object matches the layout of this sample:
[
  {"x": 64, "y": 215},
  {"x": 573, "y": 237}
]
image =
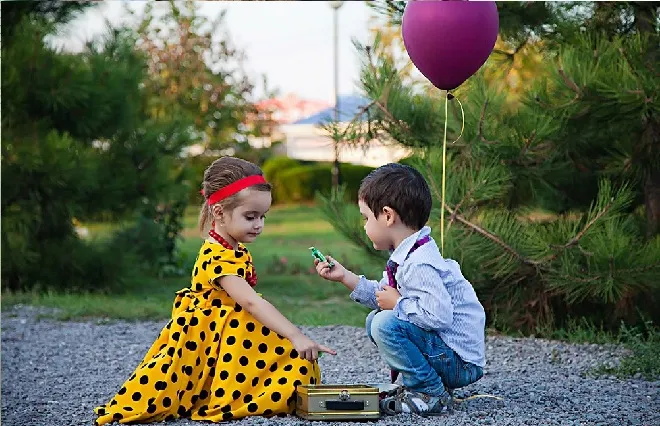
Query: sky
[{"x": 290, "y": 42}]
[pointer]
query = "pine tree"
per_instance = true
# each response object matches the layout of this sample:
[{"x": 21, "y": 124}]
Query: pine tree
[
  {"x": 55, "y": 107},
  {"x": 99, "y": 134},
  {"x": 545, "y": 197}
]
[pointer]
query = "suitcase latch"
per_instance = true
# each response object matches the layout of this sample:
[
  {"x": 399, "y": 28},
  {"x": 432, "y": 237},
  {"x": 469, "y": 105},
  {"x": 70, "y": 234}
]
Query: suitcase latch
[{"x": 344, "y": 395}]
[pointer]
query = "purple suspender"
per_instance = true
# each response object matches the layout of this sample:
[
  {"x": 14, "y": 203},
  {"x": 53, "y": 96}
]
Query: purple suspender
[{"x": 391, "y": 271}]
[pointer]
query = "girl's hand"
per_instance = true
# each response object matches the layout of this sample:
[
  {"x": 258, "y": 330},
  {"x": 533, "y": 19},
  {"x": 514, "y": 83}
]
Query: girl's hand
[
  {"x": 309, "y": 349},
  {"x": 336, "y": 273}
]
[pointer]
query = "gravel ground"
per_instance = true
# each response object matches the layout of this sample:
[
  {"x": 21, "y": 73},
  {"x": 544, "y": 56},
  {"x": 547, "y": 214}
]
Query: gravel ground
[{"x": 54, "y": 373}]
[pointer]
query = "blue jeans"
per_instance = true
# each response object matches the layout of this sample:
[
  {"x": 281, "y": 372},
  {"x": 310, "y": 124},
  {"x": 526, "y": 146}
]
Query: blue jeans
[{"x": 424, "y": 360}]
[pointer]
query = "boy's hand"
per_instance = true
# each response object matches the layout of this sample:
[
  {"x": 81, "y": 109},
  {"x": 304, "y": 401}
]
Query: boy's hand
[
  {"x": 336, "y": 273},
  {"x": 387, "y": 297}
]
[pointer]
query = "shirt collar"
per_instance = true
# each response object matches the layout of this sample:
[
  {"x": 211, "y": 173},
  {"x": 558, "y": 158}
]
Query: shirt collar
[{"x": 401, "y": 252}]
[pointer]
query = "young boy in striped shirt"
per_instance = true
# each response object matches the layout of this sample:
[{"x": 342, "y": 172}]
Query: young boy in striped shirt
[{"x": 427, "y": 321}]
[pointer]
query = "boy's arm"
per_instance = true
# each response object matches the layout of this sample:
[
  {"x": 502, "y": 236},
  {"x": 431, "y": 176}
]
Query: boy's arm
[
  {"x": 363, "y": 290},
  {"x": 426, "y": 303}
]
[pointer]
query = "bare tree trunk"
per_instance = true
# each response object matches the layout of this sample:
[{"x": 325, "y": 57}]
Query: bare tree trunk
[
  {"x": 644, "y": 16},
  {"x": 645, "y": 19},
  {"x": 650, "y": 144},
  {"x": 652, "y": 201}
]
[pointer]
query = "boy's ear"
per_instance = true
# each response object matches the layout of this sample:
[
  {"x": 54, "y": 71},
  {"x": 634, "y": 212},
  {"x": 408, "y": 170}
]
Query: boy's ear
[{"x": 390, "y": 215}]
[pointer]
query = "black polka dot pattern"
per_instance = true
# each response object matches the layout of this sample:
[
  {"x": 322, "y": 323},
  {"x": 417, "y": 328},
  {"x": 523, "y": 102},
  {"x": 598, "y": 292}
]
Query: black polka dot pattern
[{"x": 213, "y": 361}]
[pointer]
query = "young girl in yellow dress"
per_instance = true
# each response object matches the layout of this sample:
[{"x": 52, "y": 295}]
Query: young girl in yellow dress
[{"x": 226, "y": 353}]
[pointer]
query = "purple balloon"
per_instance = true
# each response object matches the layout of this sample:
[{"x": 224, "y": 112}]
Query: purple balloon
[{"x": 448, "y": 41}]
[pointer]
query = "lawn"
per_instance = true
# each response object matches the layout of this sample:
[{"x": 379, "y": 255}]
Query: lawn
[
  {"x": 284, "y": 266},
  {"x": 287, "y": 279}
]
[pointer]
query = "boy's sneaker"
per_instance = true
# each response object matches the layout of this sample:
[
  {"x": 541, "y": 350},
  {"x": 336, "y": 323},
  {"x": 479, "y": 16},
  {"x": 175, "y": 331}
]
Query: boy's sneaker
[{"x": 407, "y": 401}]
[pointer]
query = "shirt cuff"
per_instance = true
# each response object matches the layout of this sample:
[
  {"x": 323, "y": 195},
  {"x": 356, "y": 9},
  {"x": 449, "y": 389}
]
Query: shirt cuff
[{"x": 364, "y": 293}]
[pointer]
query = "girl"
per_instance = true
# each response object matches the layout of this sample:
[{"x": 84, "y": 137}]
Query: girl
[{"x": 226, "y": 353}]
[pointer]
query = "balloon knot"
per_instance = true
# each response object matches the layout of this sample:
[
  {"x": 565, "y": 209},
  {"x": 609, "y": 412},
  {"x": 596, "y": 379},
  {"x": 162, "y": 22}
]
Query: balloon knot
[{"x": 450, "y": 96}]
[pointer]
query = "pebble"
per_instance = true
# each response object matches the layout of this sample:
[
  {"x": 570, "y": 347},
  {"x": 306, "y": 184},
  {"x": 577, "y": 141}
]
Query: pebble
[{"x": 54, "y": 373}]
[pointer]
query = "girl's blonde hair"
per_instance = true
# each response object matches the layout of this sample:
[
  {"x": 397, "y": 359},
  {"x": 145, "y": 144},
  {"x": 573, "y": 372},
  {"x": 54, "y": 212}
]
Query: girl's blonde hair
[{"x": 222, "y": 172}]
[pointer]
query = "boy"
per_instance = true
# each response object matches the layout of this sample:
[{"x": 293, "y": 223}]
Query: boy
[{"x": 428, "y": 323}]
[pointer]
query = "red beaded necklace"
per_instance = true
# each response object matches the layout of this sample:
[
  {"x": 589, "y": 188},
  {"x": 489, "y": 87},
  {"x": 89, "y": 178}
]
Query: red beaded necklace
[
  {"x": 251, "y": 278},
  {"x": 224, "y": 243}
]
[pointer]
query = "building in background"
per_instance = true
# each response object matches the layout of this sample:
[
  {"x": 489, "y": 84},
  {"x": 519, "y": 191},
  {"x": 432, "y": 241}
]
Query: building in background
[
  {"x": 304, "y": 139},
  {"x": 290, "y": 108},
  {"x": 275, "y": 112}
]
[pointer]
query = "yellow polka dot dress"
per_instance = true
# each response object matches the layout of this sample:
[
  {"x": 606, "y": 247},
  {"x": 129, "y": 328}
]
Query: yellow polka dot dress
[{"x": 213, "y": 360}]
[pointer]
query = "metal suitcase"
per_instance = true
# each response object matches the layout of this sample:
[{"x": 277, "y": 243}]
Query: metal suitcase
[{"x": 337, "y": 402}]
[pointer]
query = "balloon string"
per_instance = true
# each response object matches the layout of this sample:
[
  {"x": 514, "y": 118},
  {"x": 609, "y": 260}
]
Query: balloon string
[
  {"x": 444, "y": 164},
  {"x": 462, "y": 119}
]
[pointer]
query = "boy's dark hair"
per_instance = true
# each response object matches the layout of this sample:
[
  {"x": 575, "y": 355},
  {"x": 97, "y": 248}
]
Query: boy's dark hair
[{"x": 401, "y": 188}]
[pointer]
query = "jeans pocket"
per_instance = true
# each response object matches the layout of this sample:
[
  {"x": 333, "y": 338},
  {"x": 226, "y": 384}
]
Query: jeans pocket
[
  {"x": 440, "y": 362},
  {"x": 471, "y": 373},
  {"x": 479, "y": 373},
  {"x": 445, "y": 366}
]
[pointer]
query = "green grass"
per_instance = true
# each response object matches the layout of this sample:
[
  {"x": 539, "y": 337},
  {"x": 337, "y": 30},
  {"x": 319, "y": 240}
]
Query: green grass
[
  {"x": 284, "y": 266},
  {"x": 287, "y": 279},
  {"x": 644, "y": 342},
  {"x": 84, "y": 306},
  {"x": 583, "y": 331}
]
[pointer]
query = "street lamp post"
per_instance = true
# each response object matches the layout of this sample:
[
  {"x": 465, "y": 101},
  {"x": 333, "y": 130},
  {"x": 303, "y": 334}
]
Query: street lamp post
[{"x": 336, "y": 178}]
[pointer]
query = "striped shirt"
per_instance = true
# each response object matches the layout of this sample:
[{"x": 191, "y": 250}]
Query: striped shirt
[{"x": 434, "y": 296}]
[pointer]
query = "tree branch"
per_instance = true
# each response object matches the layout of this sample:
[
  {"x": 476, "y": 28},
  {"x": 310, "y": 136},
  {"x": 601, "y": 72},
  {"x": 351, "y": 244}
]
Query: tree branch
[
  {"x": 611, "y": 271},
  {"x": 579, "y": 235},
  {"x": 399, "y": 123},
  {"x": 481, "y": 125},
  {"x": 587, "y": 226},
  {"x": 527, "y": 144},
  {"x": 650, "y": 68},
  {"x": 510, "y": 55},
  {"x": 488, "y": 235},
  {"x": 452, "y": 218},
  {"x": 632, "y": 70},
  {"x": 570, "y": 83},
  {"x": 494, "y": 238},
  {"x": 503, "y": 52}
]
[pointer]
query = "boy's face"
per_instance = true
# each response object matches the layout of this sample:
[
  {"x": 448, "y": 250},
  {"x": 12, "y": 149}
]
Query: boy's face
[{"x": 376, "y": 228}]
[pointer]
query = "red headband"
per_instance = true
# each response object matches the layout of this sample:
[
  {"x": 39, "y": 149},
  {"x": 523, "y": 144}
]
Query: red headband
[{"x": 233, "y": 188}]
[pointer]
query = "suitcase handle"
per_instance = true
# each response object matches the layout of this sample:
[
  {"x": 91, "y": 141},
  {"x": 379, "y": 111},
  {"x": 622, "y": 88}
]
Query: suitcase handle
[{"x": 345, "y": 405}]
